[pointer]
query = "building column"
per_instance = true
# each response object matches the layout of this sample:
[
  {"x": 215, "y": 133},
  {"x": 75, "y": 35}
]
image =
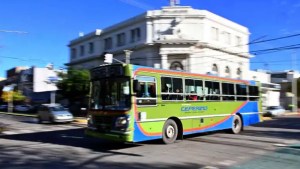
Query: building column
[
  {"x": 164, "y": 61},
  {"x": 192, "y": 64},
  {"x": 149, "y": 31}
]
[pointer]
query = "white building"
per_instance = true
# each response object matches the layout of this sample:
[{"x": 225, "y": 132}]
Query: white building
[
  {"x": 270, "y": 91},
  {"x": 38, "y": 84},
  {"x": 285, "y": 79},
  {"x": 174, "y": 37}
]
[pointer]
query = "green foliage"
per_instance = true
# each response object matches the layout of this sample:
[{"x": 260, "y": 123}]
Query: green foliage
[
  {"x": 13, "y": 96},
  {"x": 75, "y": 84},
  {"x": 289, "y": 87}
]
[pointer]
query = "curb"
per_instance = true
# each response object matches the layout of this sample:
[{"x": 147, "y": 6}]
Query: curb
[
  {"x": 80, "y": 120},
  {"x": 267, "y": 118},
  {"x": 291, "y": 113}
]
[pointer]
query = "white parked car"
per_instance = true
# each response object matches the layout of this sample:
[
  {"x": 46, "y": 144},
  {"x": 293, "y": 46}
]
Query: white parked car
[
  {"x": 53, "y": 113},
  {"x": 274, "y": 111}
]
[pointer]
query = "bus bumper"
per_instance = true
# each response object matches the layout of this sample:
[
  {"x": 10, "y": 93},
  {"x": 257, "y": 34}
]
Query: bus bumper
[{"x": 119, "y": 137}]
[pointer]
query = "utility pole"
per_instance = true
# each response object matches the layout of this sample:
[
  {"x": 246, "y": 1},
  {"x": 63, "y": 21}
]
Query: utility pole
[{"x": 294, "y": 83}]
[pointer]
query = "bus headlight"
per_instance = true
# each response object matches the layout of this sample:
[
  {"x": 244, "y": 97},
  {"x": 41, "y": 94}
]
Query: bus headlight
[{"x": 122, "y": 122}]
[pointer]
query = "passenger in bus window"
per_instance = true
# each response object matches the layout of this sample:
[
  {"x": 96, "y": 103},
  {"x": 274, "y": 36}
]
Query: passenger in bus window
[
  {"x": 193, "y": 96},
  {"x": 152, "y": 90},
  {"x": 179, "y": 96}
]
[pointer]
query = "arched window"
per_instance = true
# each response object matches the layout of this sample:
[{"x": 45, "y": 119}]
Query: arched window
[
  {"x": 176, "y": 66},
  {"x": 215, "y": 69},
  {"x": 239, "y": 73},
  {"x": 227, "y": 72}
]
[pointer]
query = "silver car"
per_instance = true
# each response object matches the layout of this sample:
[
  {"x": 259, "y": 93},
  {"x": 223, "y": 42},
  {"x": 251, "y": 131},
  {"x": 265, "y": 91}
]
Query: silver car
[
  {"x": 275, "y": 111},
  {"x": 53, "y": 113}
]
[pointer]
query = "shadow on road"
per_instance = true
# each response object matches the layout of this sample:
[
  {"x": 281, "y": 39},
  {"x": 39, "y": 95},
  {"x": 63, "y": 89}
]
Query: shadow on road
[
  {"x": 282, "y": 122},
  {"x": 72, "y": 137},
  {"x": 281, "y": 127},
  {"x": 40, "y": 152}
]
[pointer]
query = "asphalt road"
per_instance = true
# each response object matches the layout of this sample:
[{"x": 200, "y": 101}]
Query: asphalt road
[{"x": 271, "y": 144}]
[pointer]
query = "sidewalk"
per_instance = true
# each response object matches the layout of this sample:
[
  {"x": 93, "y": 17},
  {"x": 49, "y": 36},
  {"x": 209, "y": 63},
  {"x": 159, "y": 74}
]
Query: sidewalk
[{"x": 291, "y": 113}]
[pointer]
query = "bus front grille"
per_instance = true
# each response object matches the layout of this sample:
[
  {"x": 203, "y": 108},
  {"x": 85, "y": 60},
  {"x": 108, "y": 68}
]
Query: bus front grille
[{"x": 103, "y": 123}]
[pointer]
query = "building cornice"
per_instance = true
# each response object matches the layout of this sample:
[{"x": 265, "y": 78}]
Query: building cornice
[
  {"x": 225, "y": 50},
  {"x": 86, "y": 37}
]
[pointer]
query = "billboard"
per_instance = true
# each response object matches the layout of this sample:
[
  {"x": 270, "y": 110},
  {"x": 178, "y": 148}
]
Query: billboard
[{"x": 44, "y": 80}]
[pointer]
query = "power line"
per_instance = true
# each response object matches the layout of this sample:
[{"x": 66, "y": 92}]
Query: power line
[
  {"x": 273, "y": 39},
  {"x": 13, "y": 31},
  {"x": 24, "y": 60}
]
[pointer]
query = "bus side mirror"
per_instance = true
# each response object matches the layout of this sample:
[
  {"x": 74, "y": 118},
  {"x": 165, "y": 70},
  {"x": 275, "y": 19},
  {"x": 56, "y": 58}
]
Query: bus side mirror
[{"x": 136, "y": 86}]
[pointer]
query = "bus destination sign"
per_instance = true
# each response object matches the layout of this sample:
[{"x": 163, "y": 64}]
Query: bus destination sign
[{"x": 107, "y": 71}]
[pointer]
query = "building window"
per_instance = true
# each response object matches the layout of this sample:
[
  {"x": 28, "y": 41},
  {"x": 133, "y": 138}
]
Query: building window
[
  {"x": 135, "y": 35},
  {"x": 91, "y": 47},
  {"x": 81, "y": 50},
  {"x": 121, "y": 39},
  {"x": 176, "y": 66},
  {"x": 108, "y": 43},
  {"x": 238, "y": 41},
  {"x": 215, "y": 70},
  {"x": 227, "y": 38},
  {"x": 239, "y": 73},
  {"x": 227, "y": 71},
  {"x": 215, "y": 33},
  {"x": 73, "y": 53},
  {"x": 138, "y": 34}
]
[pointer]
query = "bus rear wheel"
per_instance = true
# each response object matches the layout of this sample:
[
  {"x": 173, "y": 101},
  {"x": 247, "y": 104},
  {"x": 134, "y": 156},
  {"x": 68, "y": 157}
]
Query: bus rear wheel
[
  {"x": 170, "y": 131},
  {"x": 237, "y": 124}
]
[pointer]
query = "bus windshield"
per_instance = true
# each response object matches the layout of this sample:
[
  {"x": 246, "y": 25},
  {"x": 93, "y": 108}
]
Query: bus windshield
[{"x": 110, "y": 94}]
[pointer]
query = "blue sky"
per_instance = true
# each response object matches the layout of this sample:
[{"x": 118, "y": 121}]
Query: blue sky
[{"x": 51, "y": 24}]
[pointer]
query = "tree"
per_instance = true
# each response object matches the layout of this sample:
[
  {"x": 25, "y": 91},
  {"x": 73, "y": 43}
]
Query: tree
[
  {"x": 9, "y": 96},
  {"x": 75, "y": 86}
]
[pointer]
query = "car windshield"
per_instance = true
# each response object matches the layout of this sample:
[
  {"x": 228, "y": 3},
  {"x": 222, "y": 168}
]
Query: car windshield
[
  {"x": 110, "y": 94},
  {"x": 57, "y": 108}
]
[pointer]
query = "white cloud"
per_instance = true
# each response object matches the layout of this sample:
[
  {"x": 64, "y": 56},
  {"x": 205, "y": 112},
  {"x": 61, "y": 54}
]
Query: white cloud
[{"x": 138, "y": 4}]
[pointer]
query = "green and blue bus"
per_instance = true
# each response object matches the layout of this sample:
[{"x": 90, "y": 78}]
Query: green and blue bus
[{"x": 131, "y": 103}]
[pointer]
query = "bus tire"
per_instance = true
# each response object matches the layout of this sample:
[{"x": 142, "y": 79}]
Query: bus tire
[
  {"x": 170, "y": 131},
  {"x": 237, "y": 124}
]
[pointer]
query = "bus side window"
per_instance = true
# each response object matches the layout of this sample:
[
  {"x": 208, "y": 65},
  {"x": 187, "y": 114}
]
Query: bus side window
[
  {"x": 241, "y": 90},
  {"x": 147, "y": 94},
  {"x": 171, "y": 88}
]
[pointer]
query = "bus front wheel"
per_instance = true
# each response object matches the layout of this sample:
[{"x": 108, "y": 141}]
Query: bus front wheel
[
  {"x": 237, "y": 124},
  {"x": 170, "y": 131}
]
